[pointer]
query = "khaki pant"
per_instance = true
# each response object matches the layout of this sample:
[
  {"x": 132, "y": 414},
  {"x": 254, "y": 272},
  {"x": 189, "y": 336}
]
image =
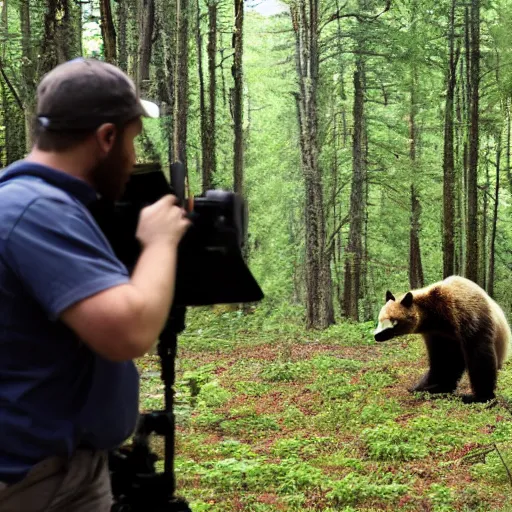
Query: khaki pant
[{"x": 81, "y": 484}]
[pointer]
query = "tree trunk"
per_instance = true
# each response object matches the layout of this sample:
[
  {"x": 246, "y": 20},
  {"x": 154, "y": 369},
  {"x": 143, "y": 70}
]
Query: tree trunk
[
  {"x": 507, "y": 153},
  {"x": 238, "y": 105},
  {"x": 472, "y": 217},
  {"x": 13, "y": 146},
  {"x": 490, "y": 286},
  {"x": 28, "y": 71},
  {"x": 59, "y": 40},
  {"x": 147, "y": 22},
  {"x": 181, "y": 84},
  {"x": 319, "y": 309},
  {"x": 482, "y": 258},
  {"x": 122, "y": 53},
  {"x": 211, "y": 131},
  {"x": 415, "y": 265},
  {"x": 108, "y": 31},
  {"x": 205, "y": 154},
  {"x": 448, "y": 157},
  {"x": 354, "y": 249}
]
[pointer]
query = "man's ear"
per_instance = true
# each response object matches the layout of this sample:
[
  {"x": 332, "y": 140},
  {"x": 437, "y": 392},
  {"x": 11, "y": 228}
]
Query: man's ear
[{"x": 106, "y": 136}]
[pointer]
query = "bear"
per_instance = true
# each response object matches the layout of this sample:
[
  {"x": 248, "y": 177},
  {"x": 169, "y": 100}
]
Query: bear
[{"x": 463, "y": 329}]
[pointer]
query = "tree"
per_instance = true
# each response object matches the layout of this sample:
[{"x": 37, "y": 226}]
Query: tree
[
  {"x": 473, "y": 28},
  {"x": 108, "y": 31},
  {"x": 448, "y": 152},
  {"x": 181, "y": 83},
  {"x": 319, "y": 309},
  {"x": 237, "y": 97}
]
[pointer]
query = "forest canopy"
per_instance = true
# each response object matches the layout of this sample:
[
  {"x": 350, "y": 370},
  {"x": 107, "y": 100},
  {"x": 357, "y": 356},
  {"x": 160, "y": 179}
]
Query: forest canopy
[{"x": 370, "y": 138}]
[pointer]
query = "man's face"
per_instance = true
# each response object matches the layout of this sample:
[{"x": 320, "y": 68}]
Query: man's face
[{"x": 111, "y": 175}]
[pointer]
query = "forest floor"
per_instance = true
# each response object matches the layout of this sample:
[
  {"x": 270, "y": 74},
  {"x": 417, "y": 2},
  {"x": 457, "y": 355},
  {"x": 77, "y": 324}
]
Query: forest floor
[{"x": 282, "y": 419}]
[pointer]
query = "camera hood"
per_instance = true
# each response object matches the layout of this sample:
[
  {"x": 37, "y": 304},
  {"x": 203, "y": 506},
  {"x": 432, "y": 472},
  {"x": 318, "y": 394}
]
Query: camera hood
[{"x": 211, "y": 268}]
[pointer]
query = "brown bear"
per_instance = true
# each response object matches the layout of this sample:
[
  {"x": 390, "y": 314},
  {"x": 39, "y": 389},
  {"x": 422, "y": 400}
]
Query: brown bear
[{"x": 463, "y": 329}]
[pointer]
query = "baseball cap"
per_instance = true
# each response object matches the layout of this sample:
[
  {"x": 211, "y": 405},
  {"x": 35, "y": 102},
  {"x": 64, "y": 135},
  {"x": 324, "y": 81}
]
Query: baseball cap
[{"x": 84, "y": 93}]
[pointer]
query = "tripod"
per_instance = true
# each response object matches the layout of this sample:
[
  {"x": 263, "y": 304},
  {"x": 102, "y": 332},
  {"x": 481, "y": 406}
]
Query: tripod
[{"x": 136, "y": 485}]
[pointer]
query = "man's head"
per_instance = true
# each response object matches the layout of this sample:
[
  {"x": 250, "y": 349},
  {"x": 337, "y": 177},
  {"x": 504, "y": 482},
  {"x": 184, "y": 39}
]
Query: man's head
[{"x": 90, "y": 109}]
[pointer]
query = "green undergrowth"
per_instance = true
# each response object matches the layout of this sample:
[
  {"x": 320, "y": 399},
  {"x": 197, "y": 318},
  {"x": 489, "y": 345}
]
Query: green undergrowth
[{"x": 271, "y": 417}]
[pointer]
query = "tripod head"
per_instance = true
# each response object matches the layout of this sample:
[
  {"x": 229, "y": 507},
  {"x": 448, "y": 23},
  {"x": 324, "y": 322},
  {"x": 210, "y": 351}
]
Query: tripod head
[{"x": 211, "y": 270}]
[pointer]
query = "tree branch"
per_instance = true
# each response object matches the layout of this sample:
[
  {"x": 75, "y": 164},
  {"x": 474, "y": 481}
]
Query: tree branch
[
  {"x": 360, "y": 17},
  {"x": 11, "y": 87}
]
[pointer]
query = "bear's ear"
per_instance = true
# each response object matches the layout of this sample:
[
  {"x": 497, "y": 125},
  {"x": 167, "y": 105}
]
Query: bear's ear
[
  {"x": 407, "y": 300},
  {"x": 389, "y": 296}
]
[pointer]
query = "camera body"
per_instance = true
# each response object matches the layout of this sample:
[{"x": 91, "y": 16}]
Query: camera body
[{"x": 211, "y": 268}]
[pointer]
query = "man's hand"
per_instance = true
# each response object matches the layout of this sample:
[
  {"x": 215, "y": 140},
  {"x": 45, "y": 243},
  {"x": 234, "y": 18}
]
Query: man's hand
[
  {"x": 123, "y": 322},
  {"x": 162, "y": 222}
]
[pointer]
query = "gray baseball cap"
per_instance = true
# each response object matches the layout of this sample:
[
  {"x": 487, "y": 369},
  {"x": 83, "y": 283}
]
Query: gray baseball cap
[{"x": 82, "y": 94}]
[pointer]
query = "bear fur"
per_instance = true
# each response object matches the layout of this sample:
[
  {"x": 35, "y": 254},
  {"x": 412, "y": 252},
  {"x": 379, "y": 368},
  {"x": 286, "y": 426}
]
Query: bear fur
[{"x": 463, "y": 329}]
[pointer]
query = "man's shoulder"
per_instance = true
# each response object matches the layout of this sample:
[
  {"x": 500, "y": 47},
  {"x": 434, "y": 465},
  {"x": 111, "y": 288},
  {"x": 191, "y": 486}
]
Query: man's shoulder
[
  {"x": 19, "y": 195},
  {"x": 24, "y": 190}
]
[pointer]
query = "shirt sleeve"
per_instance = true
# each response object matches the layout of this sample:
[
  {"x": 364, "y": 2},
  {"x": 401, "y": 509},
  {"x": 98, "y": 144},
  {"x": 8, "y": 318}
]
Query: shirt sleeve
[{"x": 61, "y": 256}]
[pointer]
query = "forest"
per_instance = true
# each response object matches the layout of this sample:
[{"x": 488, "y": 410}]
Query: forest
[{"x": 372, "y": 142}]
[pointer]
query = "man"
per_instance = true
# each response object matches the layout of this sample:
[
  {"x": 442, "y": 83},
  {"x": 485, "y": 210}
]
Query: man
[{"x": 71, "y": 317}]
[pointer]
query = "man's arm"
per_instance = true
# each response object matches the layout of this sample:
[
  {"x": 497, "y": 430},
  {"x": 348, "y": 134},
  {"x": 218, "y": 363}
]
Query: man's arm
[
  {"x": 78, "y": 280},
  {"x": 123, "y": 322}
]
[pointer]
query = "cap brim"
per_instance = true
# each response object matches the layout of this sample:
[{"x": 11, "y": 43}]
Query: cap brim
[{"x": 150, "y": 109}]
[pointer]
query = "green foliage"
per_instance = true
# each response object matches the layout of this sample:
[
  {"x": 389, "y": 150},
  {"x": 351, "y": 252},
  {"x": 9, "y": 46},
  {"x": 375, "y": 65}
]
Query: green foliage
[
  {"x": 356, "y": 488},
  {"x": 442, "y": 498},
  {"x": 285, "y": 371},
  {"x": 393, "y": 442},
  {"x": 213, "y": 395}
]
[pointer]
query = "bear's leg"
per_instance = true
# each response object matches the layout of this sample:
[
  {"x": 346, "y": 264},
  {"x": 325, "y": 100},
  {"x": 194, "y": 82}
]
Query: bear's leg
[
  {"x": 482, "y": 368},
  {"x": 446, "y": 366}
]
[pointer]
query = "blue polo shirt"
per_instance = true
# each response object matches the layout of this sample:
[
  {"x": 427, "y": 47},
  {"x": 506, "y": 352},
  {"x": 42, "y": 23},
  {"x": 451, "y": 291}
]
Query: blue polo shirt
[{"x": 55, "y": 393}]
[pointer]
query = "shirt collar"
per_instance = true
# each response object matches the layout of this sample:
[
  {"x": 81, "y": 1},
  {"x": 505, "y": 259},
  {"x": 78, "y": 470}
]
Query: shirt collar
[{"x": 73, "y": 186}]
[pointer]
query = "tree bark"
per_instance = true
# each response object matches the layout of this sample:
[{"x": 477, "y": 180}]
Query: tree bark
[
  {"x": 205, "y": 154},
  {"x": 181, "y": 84},
  {"x": 28, "y": 71},
  {"x": 319, "y": 308},
  {"x": 211, "y": 131},
  {"x": 147, "y": 22},
  {"x": 482, "y": 258},
  {"x": 415, "y": 265},
  {"x": 354, "y": 249},
  {"x": 472, "y": 216},
  {"x": 492, "y": 251},
  {"x": 108, "y": 31},
  {"x": 238, "y": 105},
  {"x": 122, "y": 53},
  {"x": 448, "y": 155}
]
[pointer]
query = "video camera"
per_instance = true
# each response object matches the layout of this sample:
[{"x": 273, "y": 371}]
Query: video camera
[{"x": 210, "y": 270}]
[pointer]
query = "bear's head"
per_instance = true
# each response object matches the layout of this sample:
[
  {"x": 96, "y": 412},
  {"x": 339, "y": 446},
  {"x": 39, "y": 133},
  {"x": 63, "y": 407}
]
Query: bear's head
[{"x": 397, "y": 317}]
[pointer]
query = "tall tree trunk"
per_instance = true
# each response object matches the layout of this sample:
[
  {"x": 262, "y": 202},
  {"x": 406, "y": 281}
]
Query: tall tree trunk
[
  {"x": 319, "y": 308},
  {"x": 482, "y": 258},
  {"x": 472, "y": 217},
  {"x": 448, "y": 156},
  {"x": 238, "y": 105},
  {"x": 28, "y": 70},
  {"x": 13, "y": 144},
  {"x": 205, "y": 154},
  {"x": 59, "y": 43},
  {"x": 415, "y": 264},
  {"x": 122, "y": 51},
  {"x": 507, "y": 152},
  {"x": 147, "y": 22},
  {"x": 354, "y": 249},
  {"x": 211, "y": 131},
  {"x": 108, "y": 31},
  {"x": 181, "y": 84},
  {"x": 492, "y": 252}
]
